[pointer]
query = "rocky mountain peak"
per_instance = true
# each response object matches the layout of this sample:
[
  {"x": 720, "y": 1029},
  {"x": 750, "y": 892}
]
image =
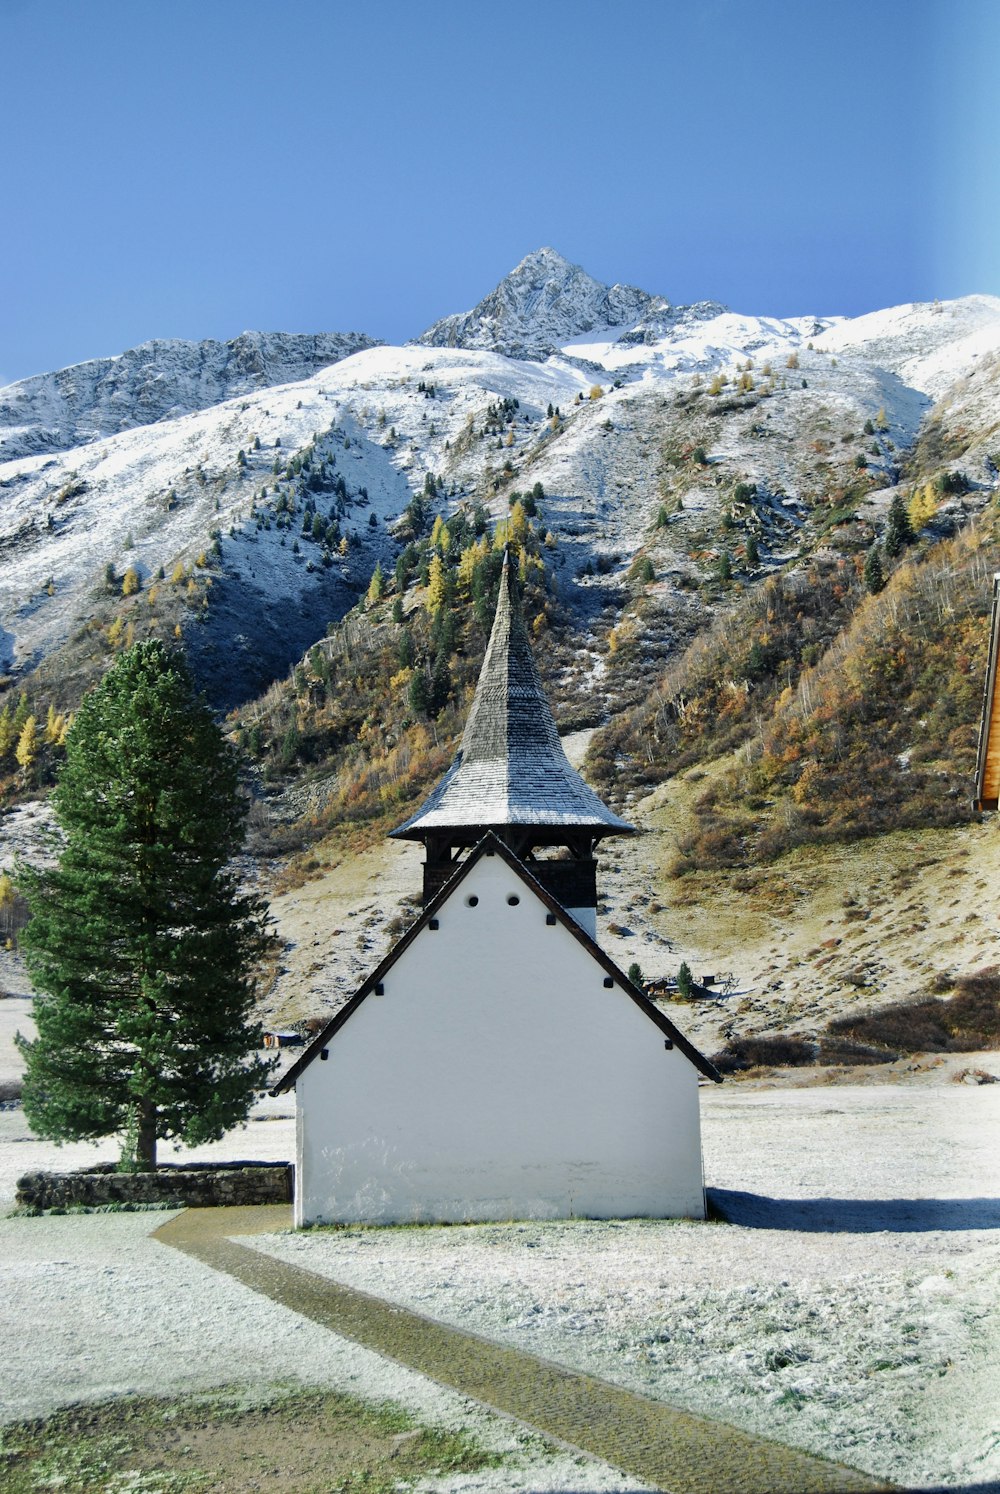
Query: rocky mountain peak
[{"x": 543, "y": 303}]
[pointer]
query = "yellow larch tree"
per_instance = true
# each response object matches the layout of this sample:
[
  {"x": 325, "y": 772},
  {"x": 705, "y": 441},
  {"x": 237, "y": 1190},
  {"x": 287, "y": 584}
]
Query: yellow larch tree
[
  {"x": 437, "y": 585},
  {"x": 27, "y": 744}
]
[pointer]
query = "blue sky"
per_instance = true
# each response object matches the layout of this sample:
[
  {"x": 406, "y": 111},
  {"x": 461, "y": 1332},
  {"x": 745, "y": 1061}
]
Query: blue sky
[{"x": 192, "y": 168}]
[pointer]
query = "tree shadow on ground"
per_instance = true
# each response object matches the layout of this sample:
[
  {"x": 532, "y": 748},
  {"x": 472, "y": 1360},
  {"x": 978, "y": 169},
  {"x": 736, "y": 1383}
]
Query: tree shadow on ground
[{"x": 855, "y": 1216}]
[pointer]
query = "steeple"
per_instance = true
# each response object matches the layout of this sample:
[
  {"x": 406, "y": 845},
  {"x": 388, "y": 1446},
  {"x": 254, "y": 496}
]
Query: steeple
[{"x": 511, "y": 776}]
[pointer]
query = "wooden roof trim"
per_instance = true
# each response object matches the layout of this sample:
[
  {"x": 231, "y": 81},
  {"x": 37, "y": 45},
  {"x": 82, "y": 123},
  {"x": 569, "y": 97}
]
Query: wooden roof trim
[
  {"x": 989, "y": 695},
  {"x": 490, "y": 843}
]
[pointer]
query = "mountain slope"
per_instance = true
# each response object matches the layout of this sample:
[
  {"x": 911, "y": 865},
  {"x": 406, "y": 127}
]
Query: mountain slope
[
  {"x": 156, "y": 381},
  {"x": 929, "y": 345},
  {"x": 729, "y": 426}
]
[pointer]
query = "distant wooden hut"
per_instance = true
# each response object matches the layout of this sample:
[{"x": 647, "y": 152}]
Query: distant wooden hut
[{"x": 988, "y": 763}]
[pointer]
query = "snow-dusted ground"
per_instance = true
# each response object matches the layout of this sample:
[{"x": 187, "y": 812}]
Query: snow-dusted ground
[
  {"x": 113, "y": 1312},
  {"x": 851, "y": 1308}
]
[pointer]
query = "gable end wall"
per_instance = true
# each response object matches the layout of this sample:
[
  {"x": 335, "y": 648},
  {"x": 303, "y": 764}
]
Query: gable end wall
[{"x": 497, "y": 1077}]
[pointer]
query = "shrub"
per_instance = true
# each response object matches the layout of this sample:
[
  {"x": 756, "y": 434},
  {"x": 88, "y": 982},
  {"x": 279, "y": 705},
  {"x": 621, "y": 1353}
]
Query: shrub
[
  {"x": 764, "y": 1052},
  {"x": 970, "y": 1020}
]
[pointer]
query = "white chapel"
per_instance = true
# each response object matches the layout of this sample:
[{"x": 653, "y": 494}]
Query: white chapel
[{"x": 498, "y": 1064}]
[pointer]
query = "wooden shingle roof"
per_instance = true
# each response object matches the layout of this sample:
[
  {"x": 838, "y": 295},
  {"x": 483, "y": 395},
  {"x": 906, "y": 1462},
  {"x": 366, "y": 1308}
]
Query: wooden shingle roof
[{"x": 511, "y": 768}]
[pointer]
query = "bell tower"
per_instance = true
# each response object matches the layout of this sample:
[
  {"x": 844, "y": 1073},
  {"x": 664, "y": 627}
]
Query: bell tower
[{"x": 511, "y": 776}]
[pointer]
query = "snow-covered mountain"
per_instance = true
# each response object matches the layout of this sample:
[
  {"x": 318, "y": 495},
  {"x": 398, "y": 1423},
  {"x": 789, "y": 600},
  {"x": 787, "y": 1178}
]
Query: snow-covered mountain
[
  {"x": 929, "y": 345},
  {"x": 600, "y": 393},
  {"x": 156, "y": 381},
  {"x": 542, "y": 304}
]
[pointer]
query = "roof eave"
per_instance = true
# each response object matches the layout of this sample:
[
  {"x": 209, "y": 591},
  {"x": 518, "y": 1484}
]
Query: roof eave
[{"x": 417, "y": 829}]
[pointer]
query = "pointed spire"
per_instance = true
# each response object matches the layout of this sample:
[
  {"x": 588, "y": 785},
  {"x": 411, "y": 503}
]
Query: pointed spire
[{"x": 511, "y": 768}]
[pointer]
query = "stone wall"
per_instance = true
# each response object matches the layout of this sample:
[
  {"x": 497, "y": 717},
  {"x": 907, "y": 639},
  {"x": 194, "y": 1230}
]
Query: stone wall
[{"x": 197, "y": 1185}]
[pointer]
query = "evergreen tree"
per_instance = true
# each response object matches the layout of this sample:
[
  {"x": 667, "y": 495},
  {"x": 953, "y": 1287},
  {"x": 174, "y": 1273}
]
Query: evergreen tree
[
  {"x": 874, "y": 575},
  {"x": 141, "y": 946},
  {"x": 752, "y": 550},
  {"x": 440, "y": 683},
  {"x": 485, "y": 586},
  {"x": 444, "y": 631},
  {"x": 404, "y": 649},
  {"x": 419, "y": 696},
  {"x": 685, "y": 981},
  {"x": 898, "y": 529}
]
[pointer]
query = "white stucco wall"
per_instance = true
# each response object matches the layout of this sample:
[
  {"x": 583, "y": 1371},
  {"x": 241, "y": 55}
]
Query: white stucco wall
[
  {"x": 586, "y": 918},
  {"x": 497, "y": 1078}
]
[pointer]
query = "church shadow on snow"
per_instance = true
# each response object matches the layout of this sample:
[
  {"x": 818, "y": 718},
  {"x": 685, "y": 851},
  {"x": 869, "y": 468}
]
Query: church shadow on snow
[{"x": 856, "y": 1216}]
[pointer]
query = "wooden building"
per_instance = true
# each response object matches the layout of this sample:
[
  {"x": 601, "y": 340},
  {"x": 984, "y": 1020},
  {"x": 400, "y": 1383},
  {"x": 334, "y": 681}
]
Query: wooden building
[{"x": 988, "y": 762}]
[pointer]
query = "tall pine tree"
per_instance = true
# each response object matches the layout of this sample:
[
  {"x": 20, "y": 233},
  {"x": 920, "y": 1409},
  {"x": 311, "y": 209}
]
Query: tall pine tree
[
  {"x": 874, "y": 575},
  {"x": 141, "y": 946},
  {"x": 898, "y": 529}
]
